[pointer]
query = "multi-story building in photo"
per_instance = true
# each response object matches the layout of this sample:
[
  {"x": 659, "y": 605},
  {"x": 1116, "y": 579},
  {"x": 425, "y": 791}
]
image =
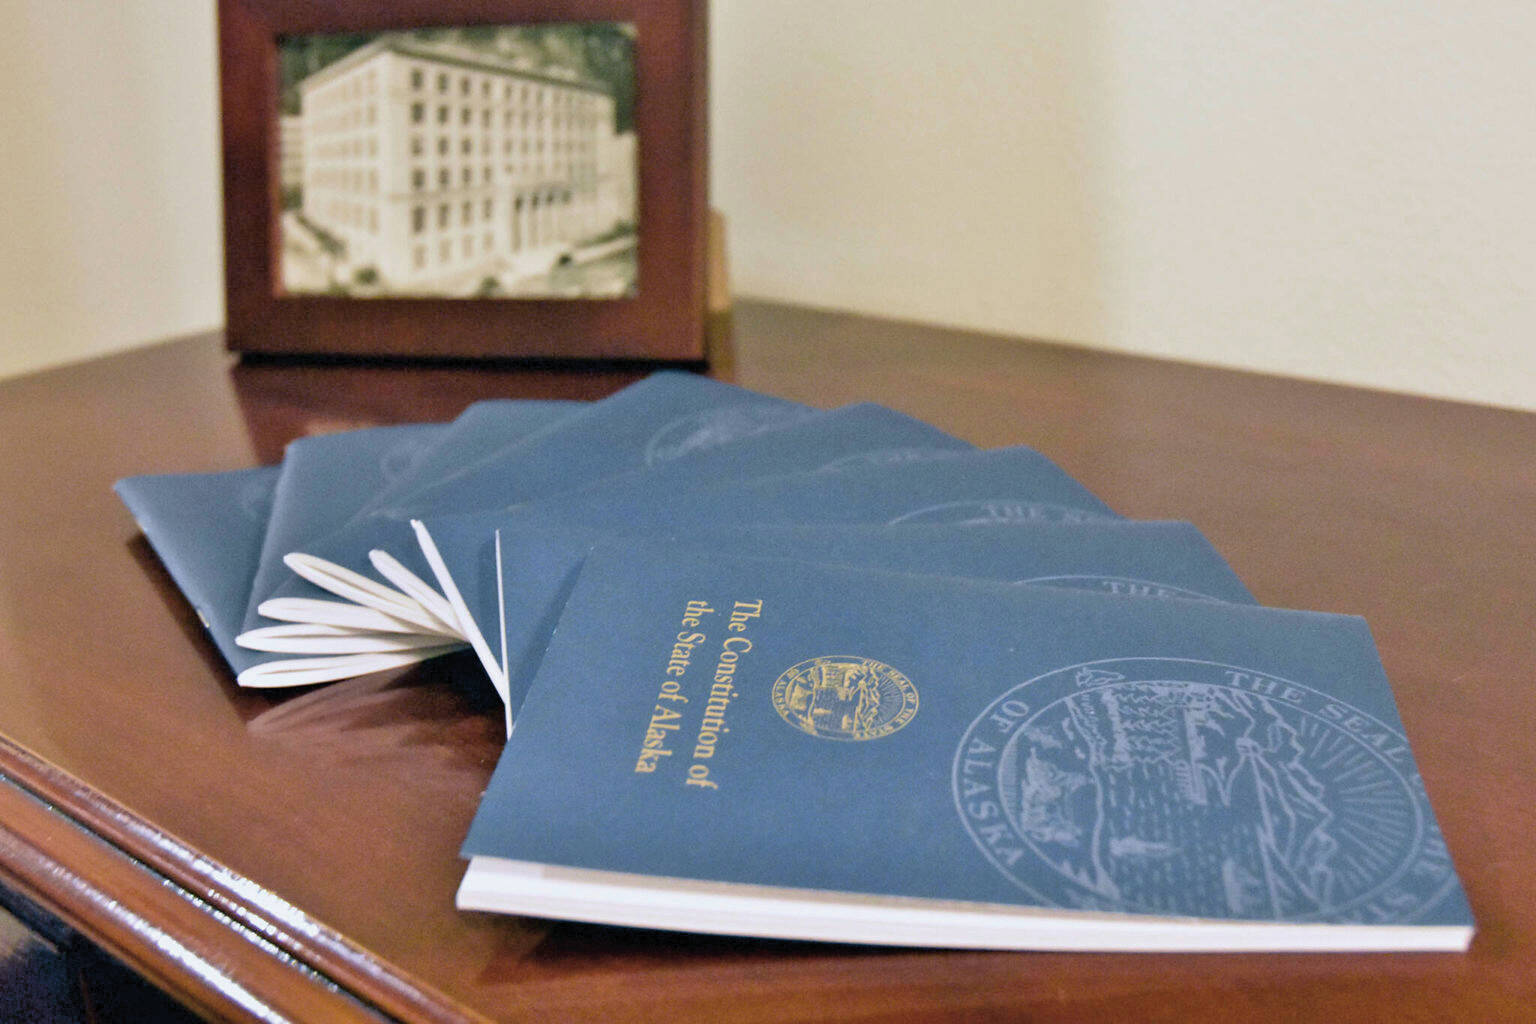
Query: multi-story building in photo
[
  {"x": 291, "y": 151},
  {"x": 439, "y": 166}
]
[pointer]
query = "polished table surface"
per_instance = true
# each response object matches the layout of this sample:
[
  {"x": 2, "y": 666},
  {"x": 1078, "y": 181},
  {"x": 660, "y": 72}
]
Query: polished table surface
[{"x": 294, "y": 855}]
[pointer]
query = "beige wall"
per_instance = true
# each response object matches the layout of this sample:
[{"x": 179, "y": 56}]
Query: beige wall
[
  {"x": 109, "y": 176},
  {"x": 1344, "y": 191},
  {"x": 1321, "y": 189}
]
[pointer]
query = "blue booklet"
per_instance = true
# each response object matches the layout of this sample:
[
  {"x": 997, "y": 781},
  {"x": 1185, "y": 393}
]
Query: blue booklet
[
  {"x": 862, "y": 434},
  {"x": 210, "y": 529},
  {"x": 1132, "y": 558},
  {"x": 660, "y": 418},
  {"x": 481, "y": 433},
  {"x": 331, "y": 480},
  {"x": 207, "y": 529},
  {"x": 815, "y": 441},
  {"x": 323, "y": 482},
  {"x": 512, "y": 570},
  {"x": 515, "y": 590},
  {"x": 771, "y": 748},
  {"x": 997, "y": 486}
]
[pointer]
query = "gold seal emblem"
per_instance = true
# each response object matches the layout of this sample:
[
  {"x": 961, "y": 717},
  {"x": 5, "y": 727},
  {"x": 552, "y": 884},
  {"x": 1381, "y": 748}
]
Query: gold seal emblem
[{"x": 843, "y": 697}]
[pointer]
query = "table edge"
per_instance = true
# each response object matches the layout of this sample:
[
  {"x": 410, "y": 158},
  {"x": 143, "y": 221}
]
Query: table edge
[{"x": 69, "y": 875}]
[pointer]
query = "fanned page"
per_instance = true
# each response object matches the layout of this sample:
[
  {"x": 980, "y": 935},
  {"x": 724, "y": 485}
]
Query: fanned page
[
  {"x": 324, "y": 480},
  {"x": 329, "y": 481},
  {"x": 780, "y": 749},
  {"x": 208, "y": 530}
]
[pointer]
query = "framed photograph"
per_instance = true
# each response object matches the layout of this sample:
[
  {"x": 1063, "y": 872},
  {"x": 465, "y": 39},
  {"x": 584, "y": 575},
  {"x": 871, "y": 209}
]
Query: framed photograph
[{"x": 465, "y": 178}]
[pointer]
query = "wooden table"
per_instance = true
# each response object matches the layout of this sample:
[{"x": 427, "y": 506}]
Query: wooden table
[{"x": 295, "y": 855}]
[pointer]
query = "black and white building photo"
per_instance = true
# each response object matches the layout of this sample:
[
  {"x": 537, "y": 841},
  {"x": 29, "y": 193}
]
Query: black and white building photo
[{"x": 483, "y": 162}]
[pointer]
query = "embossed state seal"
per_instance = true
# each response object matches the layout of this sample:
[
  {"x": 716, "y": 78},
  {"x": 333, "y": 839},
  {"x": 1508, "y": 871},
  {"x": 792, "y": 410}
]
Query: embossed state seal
[
  {"x": 997, "y": 512},
  {"x": 885, "y": 458},
  {"x": 1179, "y": 787},
  {"x": 1123, "y": 585},
  {"x": 711, "y": 428},
  {"x": 843, "y": 697}
]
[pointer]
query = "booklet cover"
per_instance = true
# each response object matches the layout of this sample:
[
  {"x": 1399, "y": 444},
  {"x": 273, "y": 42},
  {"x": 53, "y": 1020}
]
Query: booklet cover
[
  {"x": 861, "y": 434},
  {"x": 516, "y": 607},
  {"x": 322, "y": 483},
  {"x": 482, "y": 432},
  {"x": 662, "y": 417},
  {"x": 770, "y": 748},
  {"x": 207, "y": 529},
  {"x": 210, "y": 529},
  {"x": 330, "y": 480},
  {"x": 513, "y": 569},
  {"x": 995, "y": 486},
  {"x": 1145, "y": 558}
]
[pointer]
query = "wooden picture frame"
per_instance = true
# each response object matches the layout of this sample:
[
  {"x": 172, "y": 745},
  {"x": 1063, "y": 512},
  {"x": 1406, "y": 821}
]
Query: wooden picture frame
[{"x": 661, "y": 319}]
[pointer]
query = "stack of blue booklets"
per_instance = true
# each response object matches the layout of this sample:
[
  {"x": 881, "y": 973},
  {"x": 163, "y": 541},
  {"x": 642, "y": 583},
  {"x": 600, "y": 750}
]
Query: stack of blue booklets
[{"x": 779, "y": 671}]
